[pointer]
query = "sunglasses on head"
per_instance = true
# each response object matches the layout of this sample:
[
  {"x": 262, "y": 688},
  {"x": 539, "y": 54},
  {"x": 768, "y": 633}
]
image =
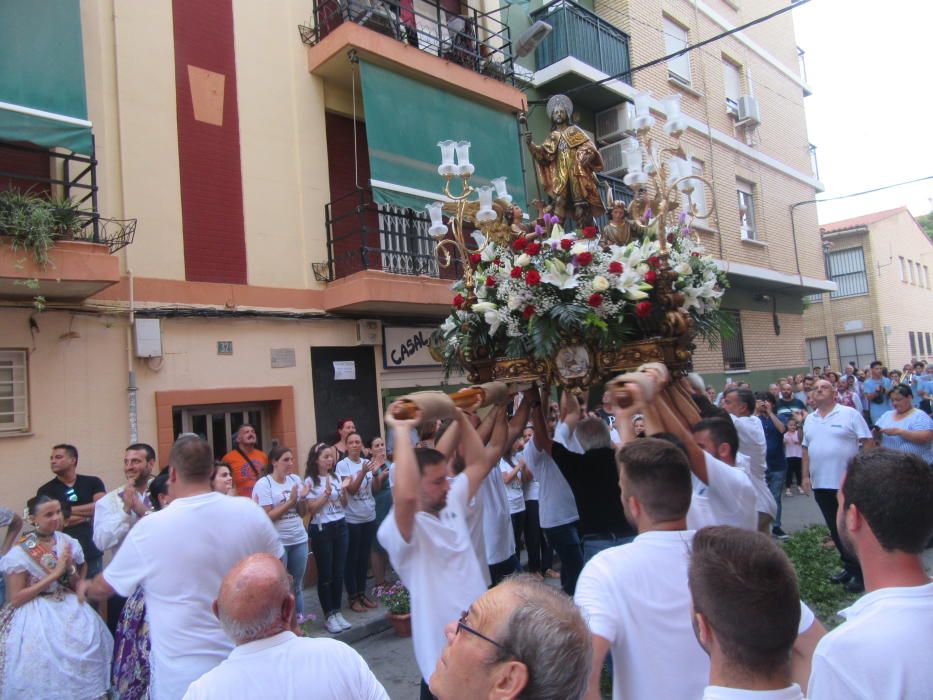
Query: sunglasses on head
[{"x": 71, "y": 495}]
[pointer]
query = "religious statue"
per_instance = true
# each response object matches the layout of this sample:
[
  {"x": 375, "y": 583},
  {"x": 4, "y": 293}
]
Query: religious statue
[
  {"x": 618, "y": 231},
  {"x": 567, "y": 162}
]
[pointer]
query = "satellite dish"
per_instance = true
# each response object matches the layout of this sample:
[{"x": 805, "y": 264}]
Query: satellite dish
[{"x": 532, "y": 36}]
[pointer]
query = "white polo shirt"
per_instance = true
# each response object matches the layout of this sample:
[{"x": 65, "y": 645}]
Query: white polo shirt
[
  {"x": 440, "y": 569},
  {"x": 831, "y": 441},
  {"x": 287, "y": 667},
  {"x": 180, "y": 555},
  {"x": 882, "y": 650},
  {"x": 728, "y": 498},
  {"x": 646, "y": 617},
  {"x": 717, "y": 692},
  {"x": 497, "y": 522},
  {"x": 556, "y": 505}
]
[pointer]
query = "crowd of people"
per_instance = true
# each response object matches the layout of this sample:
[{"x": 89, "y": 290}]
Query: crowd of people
[{"x": 662, "y": 504}]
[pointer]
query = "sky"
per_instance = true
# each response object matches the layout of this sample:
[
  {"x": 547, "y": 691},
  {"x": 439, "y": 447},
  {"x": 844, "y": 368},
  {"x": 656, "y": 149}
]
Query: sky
[{"x": 870, "y": 66}]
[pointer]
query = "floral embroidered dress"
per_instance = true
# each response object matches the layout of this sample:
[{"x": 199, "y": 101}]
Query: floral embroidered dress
[
  {"x": 131, "y": 671},
  {"x": 53, "y": 646}
]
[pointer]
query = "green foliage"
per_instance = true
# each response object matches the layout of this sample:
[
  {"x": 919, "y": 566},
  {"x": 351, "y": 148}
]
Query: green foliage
[
  {"x": 926, "y": 223},
  {"x": 714, "y": 326},
  {"x": 33, "y": 223},
  {"x": 815, "y": 564},
  {"x": 394, "y": 598}
]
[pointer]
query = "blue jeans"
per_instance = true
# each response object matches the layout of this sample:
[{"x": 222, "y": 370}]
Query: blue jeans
[
  {"x": 296, "y": 561},
  {"x": 775, "y": 481},
  {"x": 593, "y": 544},
  {"x": 565, "y": 539},
  {"x": 330, "y": 542},
  {"x": 361, "y": 544}
]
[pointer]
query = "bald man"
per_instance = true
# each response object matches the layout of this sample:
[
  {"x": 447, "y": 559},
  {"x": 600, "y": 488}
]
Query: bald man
[{"x": 255, "y": 607}]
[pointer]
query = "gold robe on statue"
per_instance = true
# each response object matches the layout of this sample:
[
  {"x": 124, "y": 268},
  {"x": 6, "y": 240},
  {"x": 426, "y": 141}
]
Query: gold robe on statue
[{"x": 567, "y": 163}]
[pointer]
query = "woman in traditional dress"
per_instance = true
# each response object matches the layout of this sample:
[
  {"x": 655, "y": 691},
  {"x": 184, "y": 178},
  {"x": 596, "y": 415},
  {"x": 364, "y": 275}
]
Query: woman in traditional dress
[{"x": 51, "y": 644}]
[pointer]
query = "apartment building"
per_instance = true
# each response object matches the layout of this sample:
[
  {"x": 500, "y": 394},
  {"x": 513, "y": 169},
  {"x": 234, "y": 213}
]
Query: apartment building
[
  {"x": 882, "y": 308},
  {"x": 247, "y": 238}
]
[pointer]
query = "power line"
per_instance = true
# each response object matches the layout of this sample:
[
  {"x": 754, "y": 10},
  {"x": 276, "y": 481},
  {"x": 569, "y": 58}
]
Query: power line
[{"x": 858, "y": 194}]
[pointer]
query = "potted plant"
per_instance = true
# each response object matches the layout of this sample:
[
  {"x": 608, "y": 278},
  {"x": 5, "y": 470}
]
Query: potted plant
[{"x": 397, "y": 602}]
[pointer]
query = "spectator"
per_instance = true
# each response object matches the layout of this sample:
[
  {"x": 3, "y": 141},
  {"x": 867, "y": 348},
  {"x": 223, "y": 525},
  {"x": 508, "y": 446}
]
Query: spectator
[
  {"x": 50, "y": 645},
  {"x": 846, "y": 393},
  {"x": 246, "y": 461},
  {"x": 13, "y": 524},
  {"x": 876, "y": 389},
  {"x": 925, "y": 390},
  {"x": 529, "y": 640},
  {"x": 787, "y": 403},
  {"x": 383, "y": 471},
  {"x": 536, "y": 544},
  {"x": 180, "y": 574},
  {"x": 882, "y": 649},
  {"x": 802, "y": 390},
  {"x": 740, "y": 403},
  {"x": 776, "y": 472},
  {"x": 359, "y": 482},
  {"x": 905, "y": 428},
  {"x": 345, "y": 428},
  {"x": 511, "y": 468},
  {"x": 794, "y": 455},
  {"x": 222, "y": 479},
  {"x": 832, "y": 435},
  {"x": 746, "y": 611},
  {"x": 81, "y": 492},
  {"x": 255, "y": 607},
  {"x": 330, "y": 537},
  {"x": 282, "y": 495}
]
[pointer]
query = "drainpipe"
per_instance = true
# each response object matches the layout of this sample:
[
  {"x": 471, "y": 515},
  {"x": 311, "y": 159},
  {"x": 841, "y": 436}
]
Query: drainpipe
[{"x": 131, "y": 372}]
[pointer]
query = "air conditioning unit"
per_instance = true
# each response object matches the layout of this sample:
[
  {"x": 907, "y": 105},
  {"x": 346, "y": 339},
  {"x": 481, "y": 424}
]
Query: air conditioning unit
[
  {"x": 368, "y": 332},
  {"x": 613, "y": 159},
  {"x": 749, "y": 114},
  {"x": 615, "y": 124}
]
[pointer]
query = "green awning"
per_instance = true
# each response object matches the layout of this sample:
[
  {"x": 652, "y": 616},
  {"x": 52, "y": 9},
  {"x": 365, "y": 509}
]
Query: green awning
[
  {"x": 404, "y": 121},
  {"x": 42, "y": 93}
]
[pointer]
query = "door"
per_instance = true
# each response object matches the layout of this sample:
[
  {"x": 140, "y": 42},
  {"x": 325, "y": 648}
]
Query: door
[{"x": 344, "y": 384}]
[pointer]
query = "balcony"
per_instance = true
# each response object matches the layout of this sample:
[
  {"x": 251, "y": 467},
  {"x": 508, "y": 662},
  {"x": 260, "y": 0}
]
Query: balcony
[{"x": 585, "y": 37}]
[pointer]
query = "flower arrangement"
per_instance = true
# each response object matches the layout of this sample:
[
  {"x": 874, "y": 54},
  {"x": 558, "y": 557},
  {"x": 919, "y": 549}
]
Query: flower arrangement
[
  {"x": 395, "y": 598},
  {"x": 551, "y": 285}
]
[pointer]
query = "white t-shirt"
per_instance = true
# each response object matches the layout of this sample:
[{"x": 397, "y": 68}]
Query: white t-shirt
[
  {"x": 287, "y": 667},
  {"x": 180, "y": 555},
  {"x": 645, "y": 616},
  {"x": 269, "y": 492},
  {"x": 717, "y": 692},
  {"x": 728, "y": 499},
  {"x": 361, "y": 506},
  {"x": 882, "y": 650},
  {"x": 497, "y": 523},
  {"x": 556, "y": 505},
  {"x": 831, "y": 442},
  {"x": 332, "y": 511},
  {"x": 569, "y": 440},
  {"x": 440, "y": 569},
  {"x": 531, "y": 488},
  {"x": 753, "y": 447},
  {"x": 513, "y": 489}
]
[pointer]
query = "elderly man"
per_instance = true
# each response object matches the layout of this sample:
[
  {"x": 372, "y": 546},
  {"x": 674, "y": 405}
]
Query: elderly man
[
  {"x": 246, "y": 461},
  {"x": 255, "y": 607},
  {"x": 753, "y": 449},
  {"x": 528, "y": 639}
]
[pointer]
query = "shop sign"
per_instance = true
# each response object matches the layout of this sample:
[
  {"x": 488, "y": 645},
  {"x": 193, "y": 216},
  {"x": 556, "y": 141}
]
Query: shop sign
[{"x": 404, "y": 347}]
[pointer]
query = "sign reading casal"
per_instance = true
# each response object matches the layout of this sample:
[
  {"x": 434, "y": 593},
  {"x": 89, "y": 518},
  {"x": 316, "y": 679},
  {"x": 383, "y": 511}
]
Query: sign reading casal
[{"x": 406, "y": 347}]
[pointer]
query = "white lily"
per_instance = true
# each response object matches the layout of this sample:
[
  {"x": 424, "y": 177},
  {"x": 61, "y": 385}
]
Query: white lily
[
  {"x": 580, "y": 247},
  {"x": 483, "y": 306},
  {"x": 683, "y": 269},
  {"x": 559, "y": 275},
  {"x": 495, "y": 318},
  {"x": 488, "y": 254},
  {"x": 448, "y": 325},
  {"x": 514, "y": 302},
  {"x": 631, "y": 286}
]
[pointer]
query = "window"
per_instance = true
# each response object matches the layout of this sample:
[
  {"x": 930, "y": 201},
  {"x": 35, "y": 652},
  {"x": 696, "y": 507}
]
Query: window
[
  {"x": 926, "y": 276},
  {"x": 929, "y": 347},
  {"x": 817, "y": 352},
  {"x": 920, "y": 274},
  {"x": 218, "y": 423},
  {"x": 913, "y": 344},
  {"x": 813, "y": 299},
  {"x": 847, "y": 269},
  {"x": 903, "y": 269},
  {"x": 14, "y": 407},
  {"x": 910, "y": 269},
  {"x": 732, "y": 78},
  {"x": 698, "y": 196},
  {"x": 733, "y": 349},
  {"x": 858, "y": 348},
  {"x": 676, "y": 39},
  {"x": 746, "y": 193}
]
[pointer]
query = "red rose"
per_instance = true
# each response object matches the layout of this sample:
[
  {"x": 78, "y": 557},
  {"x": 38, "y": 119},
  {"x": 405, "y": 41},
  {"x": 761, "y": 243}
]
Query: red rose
[
  {"x": 589, "y": 232},
  {"x": 516, "y": 273},
  {"x": 643, "y": 309},
  {"x": 533, "y": 248},
  {"x": 458, "y": 301},
  {"x": 475, "y": 258},
  {"x": 654, "y": 261},
  {"x": 490, "y": 281},
  {"x": 566, "y": 243},
  {"x": 670, "y": 238},
  {"x": 651, "y": 277},
  {"x": 616, "y": 268},
  {"x": 595, "y": 300},
  {"x": 528, "y": 311},
  {"x": 585, "y": 259},
  {"x": 520, "y": 243},
  {"x": 497, "y": 261},
  {"x": 532, "y": 277},
  {"x": 695, "y": 254}
]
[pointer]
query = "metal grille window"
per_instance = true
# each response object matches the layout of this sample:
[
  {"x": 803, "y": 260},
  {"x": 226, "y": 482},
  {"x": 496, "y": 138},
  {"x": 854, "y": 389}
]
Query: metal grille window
[
  {"x": 847, "y": 269},
  {"x": 14, "y": 404},
  {"x": 817, "y": 352},
  {"x": 407, "y": 248},
  {"x": 858, "y": 348},
  {"x": 219, "y": 423},
  {"x": 733, "y": 349}
]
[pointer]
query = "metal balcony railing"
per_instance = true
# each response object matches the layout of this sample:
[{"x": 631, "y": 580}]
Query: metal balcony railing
[
  {"x": 476, "y": 40},
  {"x": 64, "y": 176},
  {"x": 364, "y": 235},
  {"x": 582, "y": 34}
]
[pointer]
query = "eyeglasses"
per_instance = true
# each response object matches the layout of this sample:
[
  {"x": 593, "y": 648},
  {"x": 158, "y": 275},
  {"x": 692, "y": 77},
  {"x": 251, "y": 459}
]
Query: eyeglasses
[
  {"x": 71, "y": 495},
  {"x": 461, "y": 625}
]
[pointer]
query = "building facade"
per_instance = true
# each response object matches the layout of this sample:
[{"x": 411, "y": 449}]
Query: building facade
[
  {"x": 251, "y": 180},
  {"x": 882, "y": 308}
]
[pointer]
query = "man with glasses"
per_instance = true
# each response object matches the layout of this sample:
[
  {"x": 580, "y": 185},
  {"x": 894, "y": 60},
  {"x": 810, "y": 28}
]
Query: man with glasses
[
  {"x": 529, "y": 640},
  {"x": 80, "y": 492},
  {"x": 832, "y": 435}
]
